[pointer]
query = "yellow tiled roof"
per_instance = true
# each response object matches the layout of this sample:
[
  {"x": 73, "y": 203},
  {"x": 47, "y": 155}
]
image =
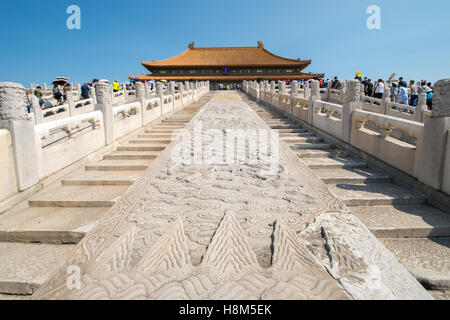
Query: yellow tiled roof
[{"x": 226, "y": 57}]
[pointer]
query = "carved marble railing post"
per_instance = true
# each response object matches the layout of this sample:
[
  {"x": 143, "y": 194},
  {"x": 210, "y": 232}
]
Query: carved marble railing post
[
  {"x": 430, "y": 167},
  {"x": 272, "y": 92},
  {"x": 182, "y": 91},
  {"x": 125, "y": 92},
  {"x": 36, "y": 109},
  {"x": 160, "y": 94},
  {"x": 294, "y": 94},
  {"x": 261, "y": 91},
  {"x": 315, "y": 95},
  {"x": 306, "y": 90},
  {"x": 71, "y": 103},
  {"x": 385, "y": 99},
  {"x": 329, "y": 84},
  {"x": 14, "y": 117},
  {"x": 104, "y": 104},
  {"x": 256, "y": 90},
  {"x": 141, "y": 97},
  {"x": 421, "y": 106},
  {"x": 93, "y": 94},
  {"x": 352, "y": 101}
]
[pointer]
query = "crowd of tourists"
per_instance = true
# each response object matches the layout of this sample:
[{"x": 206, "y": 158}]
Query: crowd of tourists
[
  {"x": 400, "y": 91},
  {"x": 61, "y": 90}
]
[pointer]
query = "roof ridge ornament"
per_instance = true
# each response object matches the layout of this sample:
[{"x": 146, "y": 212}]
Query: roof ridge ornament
[
  {"x": 191, "y": 45},
  {"x": 260, "y": 44}
]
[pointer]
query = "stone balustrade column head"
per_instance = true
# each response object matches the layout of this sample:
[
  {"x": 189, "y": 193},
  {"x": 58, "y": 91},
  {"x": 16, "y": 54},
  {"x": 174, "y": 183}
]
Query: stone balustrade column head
[
  {"x": 315, "y": 90},
  {"x": 351, "y": 102},
  {"x": 282, "y": 87},
  {"x": 103, "y": 91},
  {"x": 70, "y": 102},
  {"x": 352, "y": 92},
  {"x": 441, "y": 99},
  {"x": 294, "y": 88},
  {"x": 14, "y": 117},
  {"x": 12, "y": 101},
  {"x": 272, "y": 86},
  {"x": 93, "y": 94},
  {"x": 140, "y": 90}
]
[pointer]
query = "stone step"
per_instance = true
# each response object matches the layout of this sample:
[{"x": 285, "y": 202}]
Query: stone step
[
  {"x": 24, "y": 267},
  {"x": 176, "y": 120},
  {"x": 49, "y": 225},
  {"x": 299, "y": 130},
  {"x": 160, "y": 131},
  {"x": 428, "y": 260},
  {"x": 132, "y": 155},
  {"x": 141, "y": 147},
  {"x": 318, "y": 154},
  {"x": 150, "y": 141},
  {"x": 166, "y": 127},
  {"x": 285, "y": 127},
  {"x": 358, "y": 175},
  {"x": 155, "y": 136},
  {"x": 303, "y": 135},
  {"x": 403, "y": 221},
  {"x": 333, "y": 163},
  {"x": 311, "y": 146},
  {"x": 102, "y": 178},
  {"x": 295, "y": 140},
  {"x": 119, "y": 165},
  {"x": 78, "y": 197},
  {"x": 280, "y": 123},
  {"x": 173, "y": 123},
  {"x": 268, "y": 118},
  {"x": 375, "y": 194}
]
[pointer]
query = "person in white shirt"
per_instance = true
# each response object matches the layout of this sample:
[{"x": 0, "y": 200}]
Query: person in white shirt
[{"x": 379, "y": 89}]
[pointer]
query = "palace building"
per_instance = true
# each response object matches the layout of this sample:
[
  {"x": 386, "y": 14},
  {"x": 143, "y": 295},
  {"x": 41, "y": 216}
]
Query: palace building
[{"x": 226, "y": 65}]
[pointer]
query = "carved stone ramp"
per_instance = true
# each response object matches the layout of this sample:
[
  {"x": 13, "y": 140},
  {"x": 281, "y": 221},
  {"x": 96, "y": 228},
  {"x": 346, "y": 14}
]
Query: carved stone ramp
[
  {"x": 397, "y": 215},
  {"x": 211, "y": 230},
  {"x": 38, "y": 235}
]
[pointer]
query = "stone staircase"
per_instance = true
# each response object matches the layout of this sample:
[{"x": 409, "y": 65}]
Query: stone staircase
[
  {"x": 38, "y": 235},
  {"x": 417, "y": 234}
]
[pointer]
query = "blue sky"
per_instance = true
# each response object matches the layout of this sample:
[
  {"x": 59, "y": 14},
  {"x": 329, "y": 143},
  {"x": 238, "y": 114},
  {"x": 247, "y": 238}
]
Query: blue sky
[{"x": 115, "y": 36}]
